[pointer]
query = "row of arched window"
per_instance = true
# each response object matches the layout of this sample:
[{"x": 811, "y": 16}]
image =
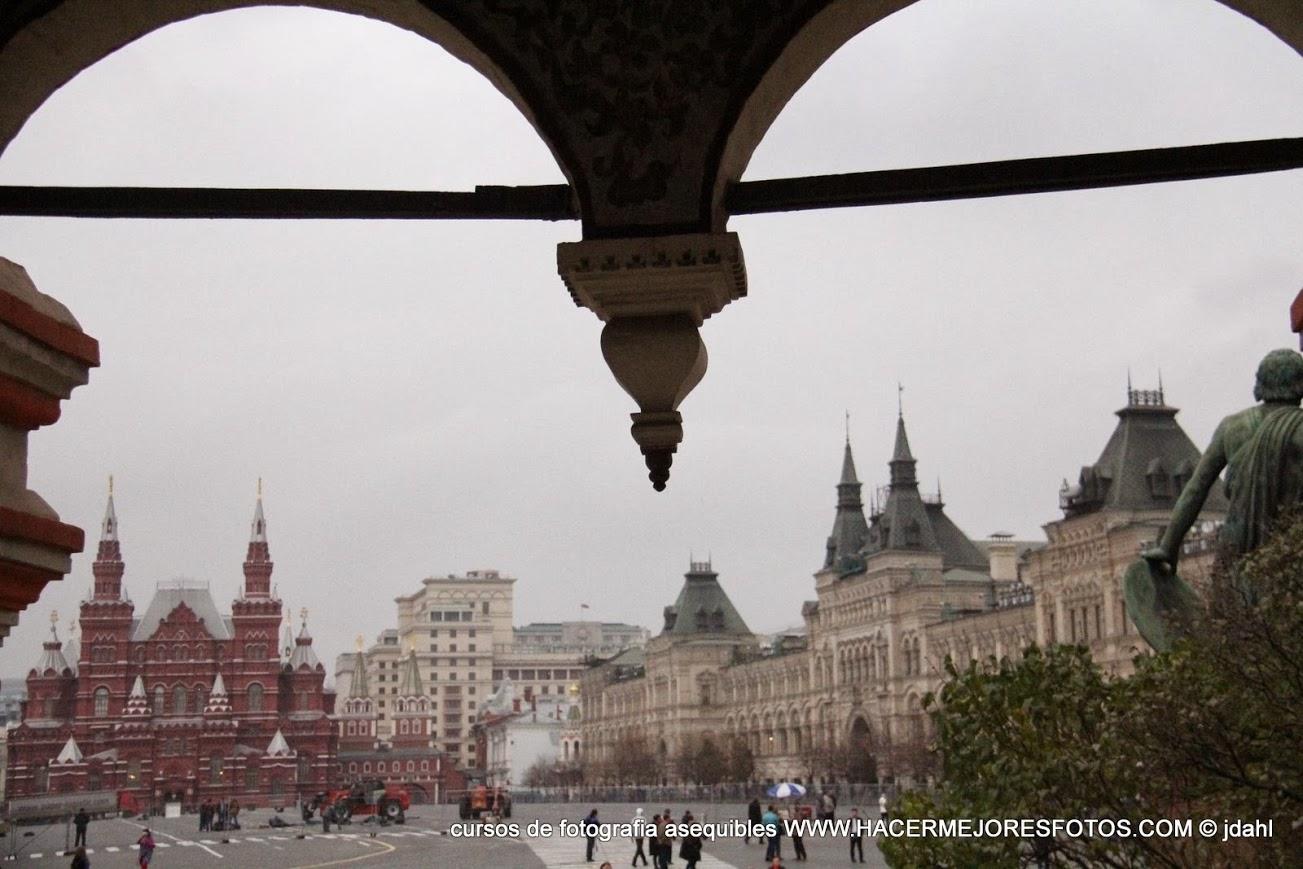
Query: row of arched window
[
  {"x": 184, "y": 702},
  {"x": 393, "y": 768}
]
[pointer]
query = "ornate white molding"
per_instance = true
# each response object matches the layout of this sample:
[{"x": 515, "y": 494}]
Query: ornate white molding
[{"x": 696, "y": 275}]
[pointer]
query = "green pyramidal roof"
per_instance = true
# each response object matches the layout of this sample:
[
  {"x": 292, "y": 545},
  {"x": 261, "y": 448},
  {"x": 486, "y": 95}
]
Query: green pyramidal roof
[
  {"x": 703, "y": 609},
  {"x": 411, "y": 684}
]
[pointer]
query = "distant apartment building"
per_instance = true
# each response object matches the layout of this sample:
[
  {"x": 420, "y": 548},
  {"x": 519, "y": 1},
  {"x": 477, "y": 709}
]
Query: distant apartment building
[{"x": 460, "y": 630}]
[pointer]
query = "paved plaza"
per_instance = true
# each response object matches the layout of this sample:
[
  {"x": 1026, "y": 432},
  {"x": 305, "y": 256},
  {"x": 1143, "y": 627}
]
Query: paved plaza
[{"x": 423, "y": 841}]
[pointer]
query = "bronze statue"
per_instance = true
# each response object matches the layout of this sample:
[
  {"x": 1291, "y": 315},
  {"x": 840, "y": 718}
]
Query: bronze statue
[{"x": 1261, "y": 449}]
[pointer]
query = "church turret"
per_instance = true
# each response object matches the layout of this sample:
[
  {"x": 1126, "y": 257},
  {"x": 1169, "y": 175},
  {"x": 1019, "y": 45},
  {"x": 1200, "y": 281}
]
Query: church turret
[
  {"x": 911, "y": 522},
  {"x": 413, "y": 721},
  {"x": 137, "y": 702},
  {"x": 258, "y": 564},
  {"x": 108, "y": 566},
  {"x": 219, "y": 702},
  {"x": 304, "y": 673},
  {"x": 357, "y": 721},
  {"x": 106, "y": 620},
  {"x": 50, "y": 683},
  {"x": 849, "y": 529},
  {"x": 903, "y": 465}
]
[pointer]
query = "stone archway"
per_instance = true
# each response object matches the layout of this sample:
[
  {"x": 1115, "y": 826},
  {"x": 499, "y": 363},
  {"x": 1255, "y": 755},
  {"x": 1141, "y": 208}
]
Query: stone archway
[
  {"x": 861, "y": 765},
  {"x": 829, "y": 26}
]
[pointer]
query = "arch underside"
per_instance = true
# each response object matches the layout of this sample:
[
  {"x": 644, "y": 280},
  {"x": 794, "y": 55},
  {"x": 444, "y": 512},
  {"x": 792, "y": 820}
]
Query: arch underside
[{"x": 650, "y": 109}]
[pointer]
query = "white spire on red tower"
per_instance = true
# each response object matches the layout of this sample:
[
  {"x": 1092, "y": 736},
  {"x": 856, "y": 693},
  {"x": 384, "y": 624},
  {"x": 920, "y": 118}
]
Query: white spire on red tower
[
  {"x": 258, "y": 533},
  {"x": 258, "y": 564},
  {"x": 108, "y": 567},
  {"x": 109, "y": 527}
]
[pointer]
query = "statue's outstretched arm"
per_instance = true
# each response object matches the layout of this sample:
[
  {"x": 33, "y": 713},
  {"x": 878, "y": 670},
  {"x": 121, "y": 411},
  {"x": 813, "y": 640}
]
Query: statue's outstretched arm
[{"x": 1192, "y": 500}]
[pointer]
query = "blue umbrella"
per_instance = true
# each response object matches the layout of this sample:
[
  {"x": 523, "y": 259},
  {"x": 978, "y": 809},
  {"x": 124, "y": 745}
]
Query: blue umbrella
[{"x": 782, "y": 790}]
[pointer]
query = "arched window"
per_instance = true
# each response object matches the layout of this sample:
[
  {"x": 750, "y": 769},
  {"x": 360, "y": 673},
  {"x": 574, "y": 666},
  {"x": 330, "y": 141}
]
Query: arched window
[
  {"x": 366, "y": 767},
  {"x": 304, "y": 770},
  {"x": 160, "y": 697},
  {"x": 215, "y": 768},
  {"x": 201, "y": 699},
  {"x": 352, "y": 728},
  {"x": 42, "y": 779},
  {"x": 101, "y": 702},
  {"x": 251, "y": 778},
  {"x": 352, "y": 767},
  {"x": 380, "y": 767},
  {"x": 178, "y": 700},
  {"x": 255, "y": 697}
]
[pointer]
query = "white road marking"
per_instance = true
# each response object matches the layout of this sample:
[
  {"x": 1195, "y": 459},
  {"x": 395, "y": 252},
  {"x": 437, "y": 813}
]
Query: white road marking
[
  {"x": 188, "y": 842},
  {"x": 563, "y": 852}
]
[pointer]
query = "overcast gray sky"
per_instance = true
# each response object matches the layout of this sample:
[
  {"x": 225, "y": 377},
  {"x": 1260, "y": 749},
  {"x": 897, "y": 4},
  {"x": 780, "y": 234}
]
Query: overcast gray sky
[{"x": 425, "y": 398}]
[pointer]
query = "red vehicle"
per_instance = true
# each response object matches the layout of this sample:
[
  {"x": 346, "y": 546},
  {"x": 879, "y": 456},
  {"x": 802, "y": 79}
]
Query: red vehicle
[
  {"x": 368, "y": 797},
  {"x": 481, "y": 800}
]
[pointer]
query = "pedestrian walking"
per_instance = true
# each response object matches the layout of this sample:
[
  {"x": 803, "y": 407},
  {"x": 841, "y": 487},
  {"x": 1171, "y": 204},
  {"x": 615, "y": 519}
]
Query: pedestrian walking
[
  {"x": 80, "y": 821},
  {"x": 664, "y": 842},
  {"x": 690, "y": 848},
  {"x": 590, "y": 833},
  {"x": 639, "y": 836},
  {"x": 828, "y": 804},
  {"x": 882, "y": 806},
  {"x": 146, "y": 845},
  {"x": 798, "y": 842},
  {"x": 774, "y": 848},
  {"x": 669, "y": 849},
  {"x": 80, "y": 860},
  {"x": 235, "y": 814},
  {"x": 857, "y": 835},
  {"x": 754, "y": 816}
]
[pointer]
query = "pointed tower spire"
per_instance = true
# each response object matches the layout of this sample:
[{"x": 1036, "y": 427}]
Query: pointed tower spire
[
  {"x": 219, "y": 702},
  {"x": 902, "y": 459},
  {"x": 108, "y": 567},
  {"x": 849, "y": 529},
  {"x": 357, "y": 685},
  {"x": 258, "y": 531},
  {"x": 258, "y": 564},
  {"x": 278, "y": 747},
  {"x": 137, "y": 702},
  {"x": 411, "y": 684},
  {"x": 71, "y": 753},
  {"x": 303, "y": 656},
  {"x": 109, "y": 527}
]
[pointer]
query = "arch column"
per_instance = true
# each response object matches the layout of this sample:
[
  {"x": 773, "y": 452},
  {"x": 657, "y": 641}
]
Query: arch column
[
  {"x": 44, "y": 355},
  {"x": 654, "y": 293}
]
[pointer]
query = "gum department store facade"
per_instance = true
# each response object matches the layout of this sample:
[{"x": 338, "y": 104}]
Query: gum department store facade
[{"x": 898, "y": 592}]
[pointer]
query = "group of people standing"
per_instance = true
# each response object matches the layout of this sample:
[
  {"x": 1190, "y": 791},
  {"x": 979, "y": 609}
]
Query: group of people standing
[
  {"x": 658, "y": 838},
  {"x": 222, "y": 815}
]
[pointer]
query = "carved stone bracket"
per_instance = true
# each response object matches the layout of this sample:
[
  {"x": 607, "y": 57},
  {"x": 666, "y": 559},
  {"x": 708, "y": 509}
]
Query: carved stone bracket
[
  {"x": 654, "y": 293},
  {"x": 696, "y": 275},
  {"x": 44, "y": 355}
]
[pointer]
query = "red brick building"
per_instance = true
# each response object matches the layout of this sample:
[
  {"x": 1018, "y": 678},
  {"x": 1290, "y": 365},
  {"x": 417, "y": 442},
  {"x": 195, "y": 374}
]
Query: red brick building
[
  {"x": 180, "y": 703},
  {"x": 409, "y": 756}
]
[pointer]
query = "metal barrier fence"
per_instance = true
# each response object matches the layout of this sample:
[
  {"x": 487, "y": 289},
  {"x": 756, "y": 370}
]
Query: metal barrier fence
[{"x": 846, "y": 795}]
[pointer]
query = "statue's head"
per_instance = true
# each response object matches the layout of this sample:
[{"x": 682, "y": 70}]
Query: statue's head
[{"x": 1280, "y": 377}]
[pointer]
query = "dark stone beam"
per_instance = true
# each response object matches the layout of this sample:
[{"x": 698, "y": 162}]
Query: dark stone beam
[
  {"x": 555, "y": 202},
  {"x": 1013, "y": 177},
  {"x": 545, "y": 202}
]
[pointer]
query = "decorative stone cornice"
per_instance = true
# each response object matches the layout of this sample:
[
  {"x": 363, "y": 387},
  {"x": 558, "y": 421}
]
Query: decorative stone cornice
[
  {"x": 696, "y": 275},
  {"x": 44, "y": 355}
]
